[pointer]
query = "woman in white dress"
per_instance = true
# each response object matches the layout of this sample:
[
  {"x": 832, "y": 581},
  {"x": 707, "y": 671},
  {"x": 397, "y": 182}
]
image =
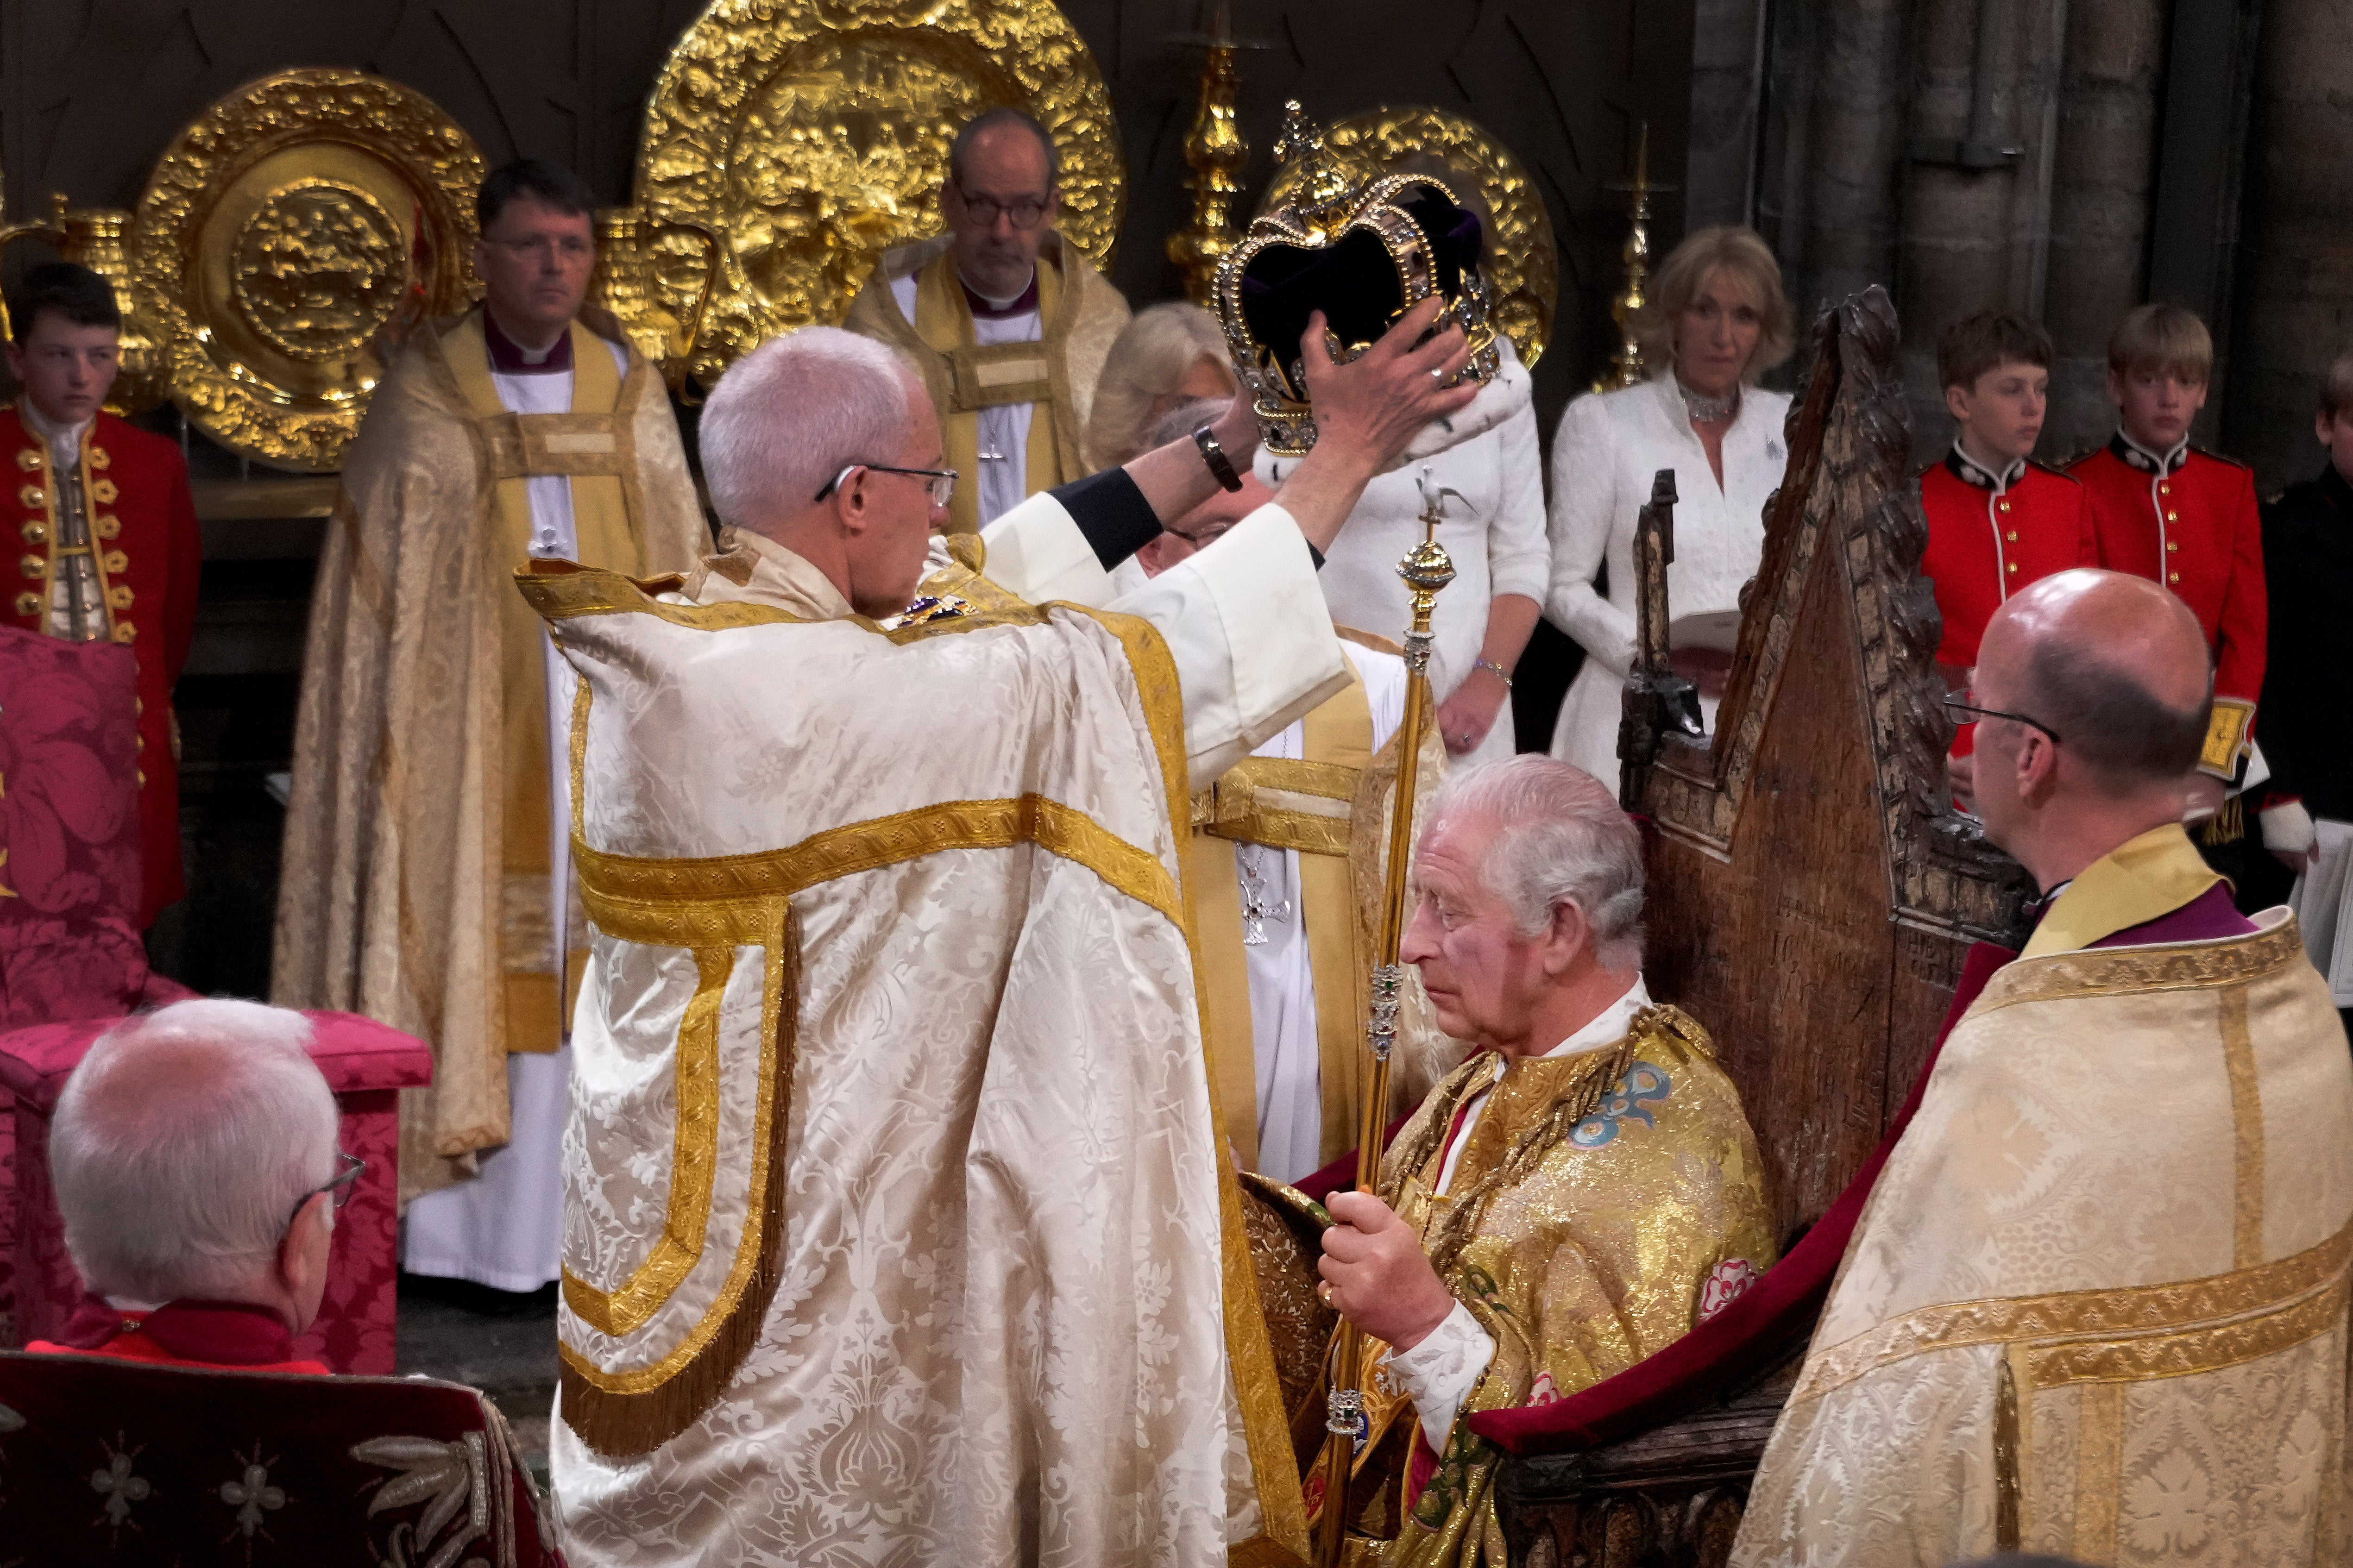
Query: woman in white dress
[
  {"x": 1493, "y": 528},
  {"x": 1717, "y": 320}
]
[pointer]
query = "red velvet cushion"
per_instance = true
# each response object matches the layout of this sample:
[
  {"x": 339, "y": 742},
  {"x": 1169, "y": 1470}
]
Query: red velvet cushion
[
  {"x": 70, "y": 943},
  {"x": 352, "y": 1054}
]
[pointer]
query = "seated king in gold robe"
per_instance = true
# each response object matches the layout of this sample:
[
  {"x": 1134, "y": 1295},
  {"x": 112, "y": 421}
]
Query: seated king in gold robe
[{"x": 1578, "y": 1193}]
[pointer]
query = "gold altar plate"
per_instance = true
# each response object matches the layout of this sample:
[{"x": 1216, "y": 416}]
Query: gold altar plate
[
  {"x": 288, "y": 239},
  {"x": 1522, "y": 265},
  {"x": 810, "y": 135}
]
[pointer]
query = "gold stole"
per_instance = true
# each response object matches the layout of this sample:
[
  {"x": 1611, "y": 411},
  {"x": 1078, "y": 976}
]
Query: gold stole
[
  {"x": 964, "y": 377},
  {"x": 592, "y": 445},
  {"x": 1305, "y": 805}
]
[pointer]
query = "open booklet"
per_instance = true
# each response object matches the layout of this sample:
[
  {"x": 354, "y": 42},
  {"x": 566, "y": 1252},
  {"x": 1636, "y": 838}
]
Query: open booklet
[
  {"x": 1718, "y": 631},
  {"x": 2323, "y": 901}
]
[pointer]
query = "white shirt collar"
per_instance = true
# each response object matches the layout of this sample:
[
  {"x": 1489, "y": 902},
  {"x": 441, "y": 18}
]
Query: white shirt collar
[
  {"x": 64, "y": 441},
  {"x": 1609, "y": 1026}
]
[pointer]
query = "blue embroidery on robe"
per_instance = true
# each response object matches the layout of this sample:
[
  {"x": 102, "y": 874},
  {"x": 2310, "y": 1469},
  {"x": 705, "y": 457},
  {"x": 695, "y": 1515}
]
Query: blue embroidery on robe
[{"x": 1629, "y": 1099}]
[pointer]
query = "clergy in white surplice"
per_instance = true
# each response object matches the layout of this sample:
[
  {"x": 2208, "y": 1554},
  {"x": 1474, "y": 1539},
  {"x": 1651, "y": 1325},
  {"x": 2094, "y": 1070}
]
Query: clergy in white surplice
[
  {"x": 1288, "y": 854},
  {"x": 897, "y": 1225},
  {"x": 426, "y": 875}
]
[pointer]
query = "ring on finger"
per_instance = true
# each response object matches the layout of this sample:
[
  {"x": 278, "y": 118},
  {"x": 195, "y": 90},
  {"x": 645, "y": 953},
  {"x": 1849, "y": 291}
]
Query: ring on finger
[
  {"x": 1438, "y": 373},
  {"x": 1324, "y": 1293}
]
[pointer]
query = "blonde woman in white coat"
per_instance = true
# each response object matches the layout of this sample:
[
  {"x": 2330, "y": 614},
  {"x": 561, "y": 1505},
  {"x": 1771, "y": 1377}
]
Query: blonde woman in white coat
[
  {"x": 1716, "y": 321},
  {"x": 1494, "y": 529}
]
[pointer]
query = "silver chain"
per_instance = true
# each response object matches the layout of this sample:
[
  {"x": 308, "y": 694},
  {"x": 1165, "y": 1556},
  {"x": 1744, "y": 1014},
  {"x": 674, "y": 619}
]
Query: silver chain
[{"x": 1256, "y": 909}]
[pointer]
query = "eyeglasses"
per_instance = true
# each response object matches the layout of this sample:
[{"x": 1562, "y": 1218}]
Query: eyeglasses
[
  {"x": 1958, "y": 704},
  {"x": 1205, "y": 538},
  {"x": 943, "y": 485},
  {"x": 571, "y": 249},
  {"x": 341, "y": 1187},
  {"x": 1026, "y": 212}
]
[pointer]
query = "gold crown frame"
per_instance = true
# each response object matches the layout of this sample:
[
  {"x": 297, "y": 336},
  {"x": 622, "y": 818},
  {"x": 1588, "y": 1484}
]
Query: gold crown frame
[{"x": 1329, "y": 210}]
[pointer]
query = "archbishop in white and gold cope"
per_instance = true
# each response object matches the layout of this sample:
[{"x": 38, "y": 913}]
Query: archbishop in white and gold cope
[{"x": 895, "y": 1210}]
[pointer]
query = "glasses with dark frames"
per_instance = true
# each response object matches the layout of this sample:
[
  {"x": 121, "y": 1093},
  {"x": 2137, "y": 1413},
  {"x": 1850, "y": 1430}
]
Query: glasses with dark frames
[
  {"x": 346, "y": 1181},
  {"x": 1963, "y": 711},
  {"x": 1026, "y": 212},
  {"x": 943, "y": 486}
]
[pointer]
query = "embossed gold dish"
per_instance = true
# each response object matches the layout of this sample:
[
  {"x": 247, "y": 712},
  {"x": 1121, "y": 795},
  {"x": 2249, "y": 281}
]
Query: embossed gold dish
[
  {"x": 810, "y": 135},
  {"x": 286, "y": 242},
  {"x": 629, "y": 248},
  {"x": 1522, "y": 265}
]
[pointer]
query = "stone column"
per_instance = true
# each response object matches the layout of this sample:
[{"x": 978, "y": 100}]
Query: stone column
[
  {"x": 1836, "y": 87},
  {"x": 2295, "y": 262},
  {"x": 1976, "y": 185},
  {"x": 2101, "y": 185},
  {"x": 1728, "y": 65}
]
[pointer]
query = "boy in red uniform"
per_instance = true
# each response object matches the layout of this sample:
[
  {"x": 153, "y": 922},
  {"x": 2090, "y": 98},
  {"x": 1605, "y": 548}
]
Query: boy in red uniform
[
  {"x": 105, "y": 528},
  {"x": 2183, "y": 517},
  {"x": 1997, "y": 519}
]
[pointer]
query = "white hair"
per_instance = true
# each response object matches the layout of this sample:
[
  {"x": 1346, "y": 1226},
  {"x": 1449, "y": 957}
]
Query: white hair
[
  {"x": 795, "y": 412},
  {"x": 1560, "y": 839},
  {"x": 181, "y": 1144}
]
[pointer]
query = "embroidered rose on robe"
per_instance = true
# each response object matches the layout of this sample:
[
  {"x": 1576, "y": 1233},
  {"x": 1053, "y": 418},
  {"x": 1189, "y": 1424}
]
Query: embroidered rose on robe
[{"x": 1726, "y": 1283}]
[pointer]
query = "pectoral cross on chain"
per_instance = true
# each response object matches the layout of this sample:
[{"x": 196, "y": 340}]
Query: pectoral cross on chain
[{"x": 1256, "y": 911}]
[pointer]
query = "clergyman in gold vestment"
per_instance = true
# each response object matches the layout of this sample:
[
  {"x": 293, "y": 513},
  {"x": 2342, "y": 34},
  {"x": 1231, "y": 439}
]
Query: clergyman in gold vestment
[
  {"x": 1572, "y": 1199},
  {"x": 898, "y": 1231},
  {"x": 425, "y": 832},
  {"x": 1002, "y": 317},
  {"x": 2096, "y": 1304}
]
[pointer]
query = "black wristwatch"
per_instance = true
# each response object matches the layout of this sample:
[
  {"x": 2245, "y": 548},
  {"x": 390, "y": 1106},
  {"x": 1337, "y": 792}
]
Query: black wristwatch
[{"x": 1221, "y": 466}]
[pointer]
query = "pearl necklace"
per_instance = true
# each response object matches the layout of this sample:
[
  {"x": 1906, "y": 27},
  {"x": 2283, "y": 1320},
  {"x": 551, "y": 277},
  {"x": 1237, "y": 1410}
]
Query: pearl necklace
[{"x": 1706, "y": 410}]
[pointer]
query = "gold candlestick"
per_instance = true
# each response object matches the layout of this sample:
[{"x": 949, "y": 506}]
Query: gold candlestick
[
  {"x": 1215, "y": 153},
  {"x": 1628, "y": 366}
]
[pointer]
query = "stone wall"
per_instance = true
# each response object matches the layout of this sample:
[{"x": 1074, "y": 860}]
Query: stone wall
[{"x": 2067, "y": 159}]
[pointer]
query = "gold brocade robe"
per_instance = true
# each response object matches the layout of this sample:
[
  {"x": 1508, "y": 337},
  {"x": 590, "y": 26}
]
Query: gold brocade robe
[
  {"x": 1332, "y": 805},
  {"x": 1606, "y": 1193},
  {"x": 2096, "y": 1305},
  {"x": 416, "y": 882},
  {"x": 1079, "y": 315}
]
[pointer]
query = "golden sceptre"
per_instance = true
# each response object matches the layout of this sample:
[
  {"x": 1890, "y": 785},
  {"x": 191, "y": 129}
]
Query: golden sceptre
[{"x": 1425, "y": 569}]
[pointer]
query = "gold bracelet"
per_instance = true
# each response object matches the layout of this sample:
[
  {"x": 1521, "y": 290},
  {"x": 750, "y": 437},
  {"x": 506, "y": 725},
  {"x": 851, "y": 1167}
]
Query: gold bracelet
[{"x": 1501, "y": 673}]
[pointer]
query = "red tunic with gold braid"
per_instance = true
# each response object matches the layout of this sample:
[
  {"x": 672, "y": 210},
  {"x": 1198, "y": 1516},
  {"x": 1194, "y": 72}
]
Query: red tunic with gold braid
[
  {"x": 2189, "y": 520},
  {"x": 1988, "y": 536},
  {"x": 147, "y": 552}
]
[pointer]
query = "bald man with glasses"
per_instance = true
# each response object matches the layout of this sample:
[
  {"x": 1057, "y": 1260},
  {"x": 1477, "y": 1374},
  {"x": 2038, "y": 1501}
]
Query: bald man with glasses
[
  {"x": 1005, "y": 320},
  {"x": 2096, "y": 1304}
]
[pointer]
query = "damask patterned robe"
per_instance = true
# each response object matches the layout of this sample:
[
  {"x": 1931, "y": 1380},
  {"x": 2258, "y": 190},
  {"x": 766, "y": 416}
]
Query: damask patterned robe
[
  {"x": 2096, "y": 1305},
  {"x": 1602, "y": 1203},
  {"x": 415, "y": 888},
  {"x": 897, "y": 1228}
]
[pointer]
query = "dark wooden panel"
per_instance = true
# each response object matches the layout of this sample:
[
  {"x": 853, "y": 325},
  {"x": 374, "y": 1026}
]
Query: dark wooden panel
[
  {"x": 1793, "y": 937},
  {"x": 1813, "y": 895}
]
